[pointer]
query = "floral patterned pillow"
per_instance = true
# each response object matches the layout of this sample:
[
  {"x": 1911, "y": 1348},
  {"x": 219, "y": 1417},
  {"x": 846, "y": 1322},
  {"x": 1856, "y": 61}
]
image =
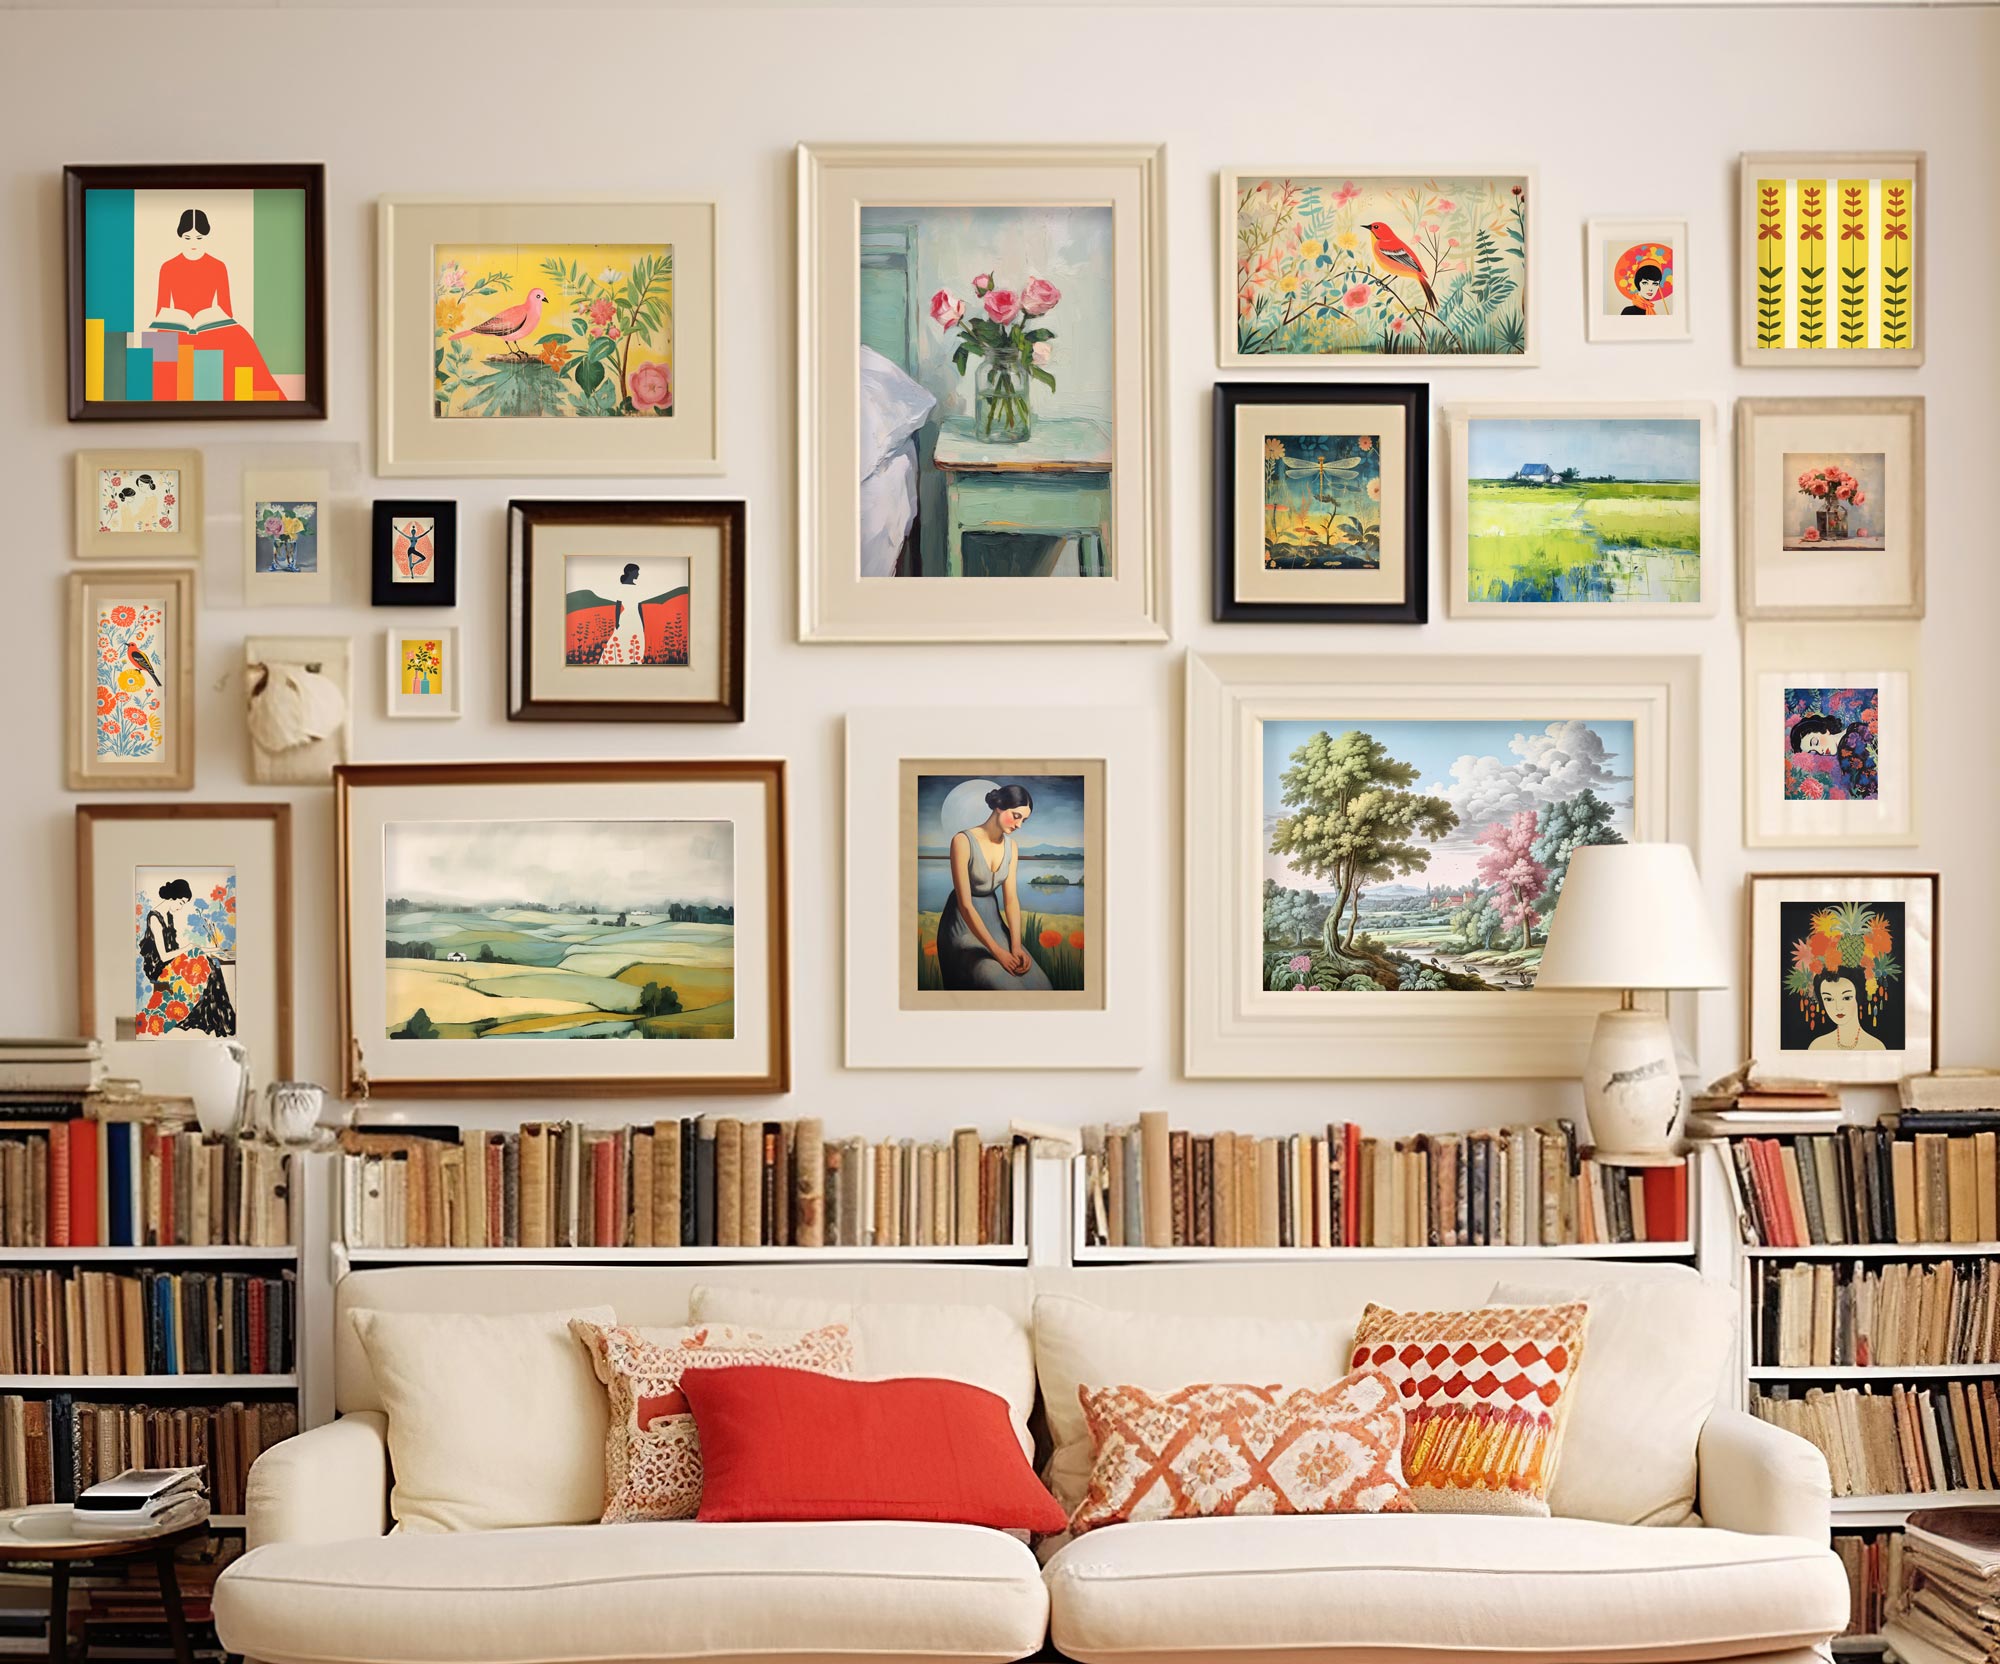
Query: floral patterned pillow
[
  {"x": 1209, "y": 1450},
  {"x": 652, "y": 1454}
]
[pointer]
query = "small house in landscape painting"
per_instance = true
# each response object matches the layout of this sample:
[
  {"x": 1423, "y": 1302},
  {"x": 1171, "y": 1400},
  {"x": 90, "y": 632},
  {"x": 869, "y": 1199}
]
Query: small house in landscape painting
[{"x": 1535, "y": 473}]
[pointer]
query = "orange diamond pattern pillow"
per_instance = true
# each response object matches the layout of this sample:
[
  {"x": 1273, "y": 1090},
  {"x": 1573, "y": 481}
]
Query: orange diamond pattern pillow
[
  {"x": 652, "y": 1455},
  {"x": 1484, "y": 1394},
  {"x": 1243, "y": 1450}
]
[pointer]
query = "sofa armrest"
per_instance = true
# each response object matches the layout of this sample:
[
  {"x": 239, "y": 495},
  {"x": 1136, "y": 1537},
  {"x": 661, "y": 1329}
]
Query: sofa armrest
[
  {"x": 1756, "y": 1477},
  {"x": 323, "y": 1485}
]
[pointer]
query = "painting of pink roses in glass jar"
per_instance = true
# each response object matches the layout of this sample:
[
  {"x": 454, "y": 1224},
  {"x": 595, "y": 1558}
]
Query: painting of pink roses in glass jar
[
  {"x": 1834, "y": 500},
  {"x": 553, "y": 330}
]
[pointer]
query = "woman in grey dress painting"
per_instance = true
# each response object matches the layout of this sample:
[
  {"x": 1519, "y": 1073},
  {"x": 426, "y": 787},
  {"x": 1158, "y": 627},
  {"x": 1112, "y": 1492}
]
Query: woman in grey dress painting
[{"x": 979, "y": 931}]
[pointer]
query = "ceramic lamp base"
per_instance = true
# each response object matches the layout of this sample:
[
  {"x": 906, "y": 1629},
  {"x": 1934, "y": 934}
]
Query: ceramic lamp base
[{"x": 1632, "y": 1088}]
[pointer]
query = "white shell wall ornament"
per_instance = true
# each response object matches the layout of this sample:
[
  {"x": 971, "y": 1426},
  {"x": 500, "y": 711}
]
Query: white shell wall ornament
[{"x": 296, "y": 690}]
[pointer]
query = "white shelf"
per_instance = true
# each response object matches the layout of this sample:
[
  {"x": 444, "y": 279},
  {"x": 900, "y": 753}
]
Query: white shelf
[
  {"x": 138, "y": 1256},
  {"x": 1015, "y": 1253},
  {"x": 1875, "y": 1372},
  {"x": 1890, "y": 1510},
  {"x": 1876, "y": 1251},
  {"x": 148, "y": 1383},
  {"x": 1105, "y": 1255}
]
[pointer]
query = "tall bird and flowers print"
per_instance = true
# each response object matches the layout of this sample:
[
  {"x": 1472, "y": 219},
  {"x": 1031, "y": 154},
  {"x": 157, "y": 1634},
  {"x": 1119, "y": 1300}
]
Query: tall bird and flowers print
[
  {"x": 554, "y": 330},
  {"x": 131, "y": 681},
  {"x": 1378, "y": 267}
]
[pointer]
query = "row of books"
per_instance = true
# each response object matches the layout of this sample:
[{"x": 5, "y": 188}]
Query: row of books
[
  {"x": 1530, "y": 1186},
  {"x": 710, "y": 1182},
  {"x": 1830, "y": 1313},
  {"x": 1867, "y": 1185},
  {"x": 81, "y": 1183},
  {"x": 1873, "y": 1561},
  {"x": 51, "y": 1448},
  {"x": 63, "y": 1322},
  {"x": 1900, "y": 1439}
]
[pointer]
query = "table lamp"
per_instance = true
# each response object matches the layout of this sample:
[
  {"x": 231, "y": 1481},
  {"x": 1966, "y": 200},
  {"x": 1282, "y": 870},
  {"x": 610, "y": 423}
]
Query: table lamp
[{"x": 1632, "y": 916}]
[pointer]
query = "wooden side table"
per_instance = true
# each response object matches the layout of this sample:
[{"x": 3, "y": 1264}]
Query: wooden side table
[
  {"x": 46, "y": 1534},
  {"x": 1056, "y": 484}
]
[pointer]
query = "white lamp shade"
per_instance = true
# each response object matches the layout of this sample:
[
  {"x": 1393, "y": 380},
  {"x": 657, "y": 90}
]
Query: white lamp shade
[{"x": 1632, "y": 916}]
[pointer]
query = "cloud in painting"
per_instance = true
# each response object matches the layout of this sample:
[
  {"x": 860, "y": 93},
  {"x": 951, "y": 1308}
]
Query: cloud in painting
[
  {"x": 604, "y": 863},
  {"x": 1546, "y": 766}
]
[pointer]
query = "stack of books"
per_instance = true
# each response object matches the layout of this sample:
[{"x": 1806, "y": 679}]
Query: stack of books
[
  {"x": 1896, "y": 1440},
  {"x": 51, "y": 1448},
  {"x": 48, "y": 1070},
  {"x": 70, "y": 1180},
  {"x": 1873, "y": 1561},
  {"x": 1149, "y": 1185},
  {"x": 1867, "y": 1185},
  {"x": 182, "y": 1322},
  {"x": 1951, "y": 1608},
  {"x": 1868, "y": 1314},
  {"x": 711, "y": 1182},
  {"x": 1740, "y": 1104}
]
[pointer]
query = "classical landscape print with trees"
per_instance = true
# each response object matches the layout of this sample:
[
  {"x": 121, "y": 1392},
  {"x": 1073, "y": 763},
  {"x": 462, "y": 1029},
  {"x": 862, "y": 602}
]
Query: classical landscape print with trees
[
  {"x": 1428, "y": 855},
  {"x": 572, "y": 930}
]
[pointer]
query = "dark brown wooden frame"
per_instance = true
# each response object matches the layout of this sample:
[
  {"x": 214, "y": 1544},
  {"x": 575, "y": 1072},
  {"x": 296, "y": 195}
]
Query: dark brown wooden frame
[
  {"x": 280, "y": 817},
  {"x": 1752, "y": 880},
  {"x": 309, "y": 177},
  {"x": 726, "y": 516},
  {"x": 769, "y": 771},
  {"x": 1413, "y": 399}
]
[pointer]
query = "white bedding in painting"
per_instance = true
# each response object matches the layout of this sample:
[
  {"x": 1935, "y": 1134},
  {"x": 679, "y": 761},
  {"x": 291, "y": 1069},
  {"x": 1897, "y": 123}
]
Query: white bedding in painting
[{"x": 888, "y": 510}]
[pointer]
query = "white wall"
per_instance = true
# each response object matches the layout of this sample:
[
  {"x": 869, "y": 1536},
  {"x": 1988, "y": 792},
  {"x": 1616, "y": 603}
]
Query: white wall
[{"x": 1623, "y": 111}]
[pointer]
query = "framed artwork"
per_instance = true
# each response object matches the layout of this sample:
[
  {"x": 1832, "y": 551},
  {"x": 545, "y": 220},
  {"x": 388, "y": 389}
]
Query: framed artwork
[
  {"x": 982, "y": 366},
  {"x": 184, "y": 933},
  {"x": 1830, "y": 726},
  {"x": 1843, "y": 975},
  {"x": 195, "y": 293},
  {"x": 139, "y": 504},
  {"x": 413, "y": 553},
  {"x": 424, "y": 669},
  {"x": 562, "y": 929},
  {"x": 1321, "y": 265},
  {"x": 625, "y": 611},
  {"x": 1636, "y": 280},
  {"x": 1833, "y": 263},
  {"x": 1605, "y": 509},
  {"x": 1830, "y": 508},
  {"x": 997, "y": 911},
  {"x": 287, "y": 537},
  {"x": 561, "y": 336},
  {"x": 1400, "y": 828},
  {"x": 131, "y": 680},
  {"x": 1321, "y": 502}
]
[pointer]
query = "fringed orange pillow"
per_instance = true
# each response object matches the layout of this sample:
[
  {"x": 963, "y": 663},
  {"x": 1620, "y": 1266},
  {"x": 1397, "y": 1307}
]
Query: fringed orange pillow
[{"x": 1484, "y": 1394}]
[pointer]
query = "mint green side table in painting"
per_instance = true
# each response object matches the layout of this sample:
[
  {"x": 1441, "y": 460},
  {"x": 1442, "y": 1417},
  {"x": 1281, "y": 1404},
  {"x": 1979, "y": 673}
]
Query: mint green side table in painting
[{"x": 1055, "y": 484}]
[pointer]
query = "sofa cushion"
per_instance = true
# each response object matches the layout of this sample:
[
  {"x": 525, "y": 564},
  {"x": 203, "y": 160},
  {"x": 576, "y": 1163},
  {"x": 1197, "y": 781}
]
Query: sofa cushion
[
  {"x": 1436, "y": 1589},
  {"x": 493, "y": 1421},
  {"x": 1078, "y": 1344},
  {"x": 639, "y": 1593},
  {"x": 1644, "y": 1386}
]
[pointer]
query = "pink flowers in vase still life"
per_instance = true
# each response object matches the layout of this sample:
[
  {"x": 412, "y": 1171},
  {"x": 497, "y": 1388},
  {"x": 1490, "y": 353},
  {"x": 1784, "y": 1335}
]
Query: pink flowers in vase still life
[
  {"x": 1836, "y": 502},
  {"x": 999, "y": 328}
]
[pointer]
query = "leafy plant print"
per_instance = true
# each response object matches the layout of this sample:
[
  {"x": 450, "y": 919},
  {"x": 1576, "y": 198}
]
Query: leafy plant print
[{"x": 131, "y": 681}]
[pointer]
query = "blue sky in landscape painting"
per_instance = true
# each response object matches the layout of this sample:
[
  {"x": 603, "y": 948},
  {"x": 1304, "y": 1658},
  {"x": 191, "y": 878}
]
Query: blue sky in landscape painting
[
  {"x": 1484, "y": 769},
  {"x": 1642, "y": 448},
  {"x": 1058, "y": 816}
]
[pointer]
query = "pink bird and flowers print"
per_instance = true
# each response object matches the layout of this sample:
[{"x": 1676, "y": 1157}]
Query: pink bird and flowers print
[
  {"x": 553, "y": 330},
  {"x": 1376, "y": 266}
]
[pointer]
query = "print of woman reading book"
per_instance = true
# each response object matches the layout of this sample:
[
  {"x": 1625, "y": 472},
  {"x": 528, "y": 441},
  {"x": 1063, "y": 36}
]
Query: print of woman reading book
[{"x": 194, "y": 301}]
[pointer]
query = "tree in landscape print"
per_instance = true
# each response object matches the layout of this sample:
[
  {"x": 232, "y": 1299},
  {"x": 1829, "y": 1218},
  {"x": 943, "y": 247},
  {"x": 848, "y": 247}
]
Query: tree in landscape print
[
  {"x": 1563, "y": 829},
  {"x": 1509, "y": 865}
]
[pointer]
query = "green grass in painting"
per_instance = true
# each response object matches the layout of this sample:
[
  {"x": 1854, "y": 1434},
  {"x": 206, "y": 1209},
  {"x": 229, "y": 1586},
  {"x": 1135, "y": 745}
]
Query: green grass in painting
[
  {"x": 1062, "y": 959},
  {"x": 1608, "y": 541}
]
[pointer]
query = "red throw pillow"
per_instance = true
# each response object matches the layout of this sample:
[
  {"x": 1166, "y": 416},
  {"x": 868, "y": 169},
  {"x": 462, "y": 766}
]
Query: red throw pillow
[{"x": 787, "y": 1444}]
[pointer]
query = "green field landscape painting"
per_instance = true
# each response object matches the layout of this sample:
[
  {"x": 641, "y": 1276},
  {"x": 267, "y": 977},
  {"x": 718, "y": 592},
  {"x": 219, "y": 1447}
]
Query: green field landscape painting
[
  {"x": 573, "y": 930},
  {"x": 1598, "y": 509}
]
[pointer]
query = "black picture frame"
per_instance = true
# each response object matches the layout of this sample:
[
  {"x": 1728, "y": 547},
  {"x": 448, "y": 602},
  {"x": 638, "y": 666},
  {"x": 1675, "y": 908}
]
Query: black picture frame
[
  {"x": 1413, "y": 399},
  {"x": 527, "y": 519},
  {"x": 309, "y": 177},
  {"x": 442, "y": 590}
]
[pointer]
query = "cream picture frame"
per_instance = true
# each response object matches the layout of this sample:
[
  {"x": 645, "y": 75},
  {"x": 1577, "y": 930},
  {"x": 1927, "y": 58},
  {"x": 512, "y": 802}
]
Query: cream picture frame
[
  {"x": 1602, "y": 321},
  {"x": 1234, "y": 1028},
  {"x": 836, "y": 602},
  {"x": 448, "y": 701},
  {"x": 289, "y": 487},
  {"x": 108, "y": 616},
  {"x": 412, "y": 439},
  {"x": 182, "y": 542}
]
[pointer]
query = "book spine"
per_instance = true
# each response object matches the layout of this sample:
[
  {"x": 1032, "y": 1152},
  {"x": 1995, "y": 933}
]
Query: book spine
[{"x": 810, "y": 1165}]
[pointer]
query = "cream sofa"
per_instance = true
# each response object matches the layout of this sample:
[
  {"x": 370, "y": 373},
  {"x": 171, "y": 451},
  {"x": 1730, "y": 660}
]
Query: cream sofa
[{"x": 323, "y": 1584}]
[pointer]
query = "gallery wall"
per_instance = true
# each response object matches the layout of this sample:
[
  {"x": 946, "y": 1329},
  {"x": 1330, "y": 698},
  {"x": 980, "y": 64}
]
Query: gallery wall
[{"x": 1623, "y": 112}]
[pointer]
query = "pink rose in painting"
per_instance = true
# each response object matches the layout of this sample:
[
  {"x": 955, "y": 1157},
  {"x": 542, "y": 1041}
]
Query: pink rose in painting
[
  {"x": 945, "y": 311},
  {"x": 1809, "y": 535},
  {"x": 1003, "y": 306},
  {"x": 1860, "y": 497},
  {"x": 1357, "y": 296},
  {"x": 600, "y": 311},
  {"x": 273, "y": 525},
  {"x": 1301, "y": 963},
  {"x": 1861, "y": 531},
  {"x": 1039, "y": 296},
  {"x": 168, "y": 499},
  {"x": 982, "y": 283},
  {"x": 650, "y": 386}
]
